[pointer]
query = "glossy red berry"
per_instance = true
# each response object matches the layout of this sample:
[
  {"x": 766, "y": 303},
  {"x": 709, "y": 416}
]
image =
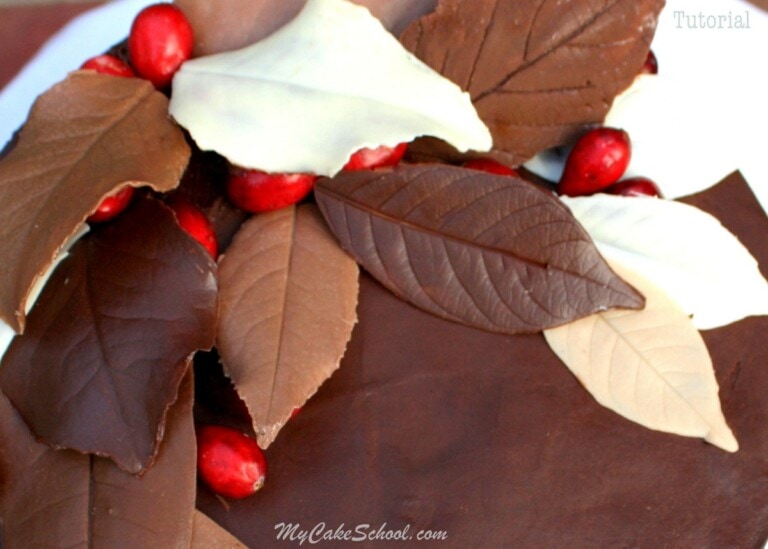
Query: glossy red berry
[
  {"x": 196, "y": 224},
  {"x": 108, "y": 64},
  {"x": 635, "y": 186},
  {"x": 160, "y": 40},
  {"x": 380, "y": 157},
  {"x": 112, "y": 205},
  {"x": 229, "y": 462},
  {"x": 597, "y": 160},
  {"x": 651, "y": 65},
  {"x": 255, "y": 191},
  {"x": 491, "y": 166}
]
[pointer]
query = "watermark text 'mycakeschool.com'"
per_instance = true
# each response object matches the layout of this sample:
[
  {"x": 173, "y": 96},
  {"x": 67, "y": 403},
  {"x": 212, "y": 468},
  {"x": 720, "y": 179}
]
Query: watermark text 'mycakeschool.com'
[
  {"x": 321, "y": 532},
  {"x": 701, "y": 21}
]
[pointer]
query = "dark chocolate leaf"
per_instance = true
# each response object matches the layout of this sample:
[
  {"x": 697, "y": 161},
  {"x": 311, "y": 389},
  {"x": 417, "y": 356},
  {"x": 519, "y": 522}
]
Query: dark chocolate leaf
[
  {"x": 288, "y": 300},
  {"x": 85, "y": 138},
  {"x": 62, "y": 498},
  {"x": 109, "y": 339},
  {"x": 493, "y": 252},
  {"x": 538, "y": 71}
]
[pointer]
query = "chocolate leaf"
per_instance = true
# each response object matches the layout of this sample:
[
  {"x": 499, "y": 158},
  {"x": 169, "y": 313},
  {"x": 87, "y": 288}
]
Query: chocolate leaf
[
  {"x": 61, "y": 498},
  {"x": 538, "y": 72},
  {"x": 350, "y": 80},
  {"x": 288, "y": 298},
  {"x": 108, "y": 341},
  {"x": 244, "y": 22},
  {"x": 650, "y": 366},
  {"x": 493, "y": 252},
  {"x": 206, "y": 534},
  {"x": 683, "y": 250},
  {"x": 85, "y": 138}
]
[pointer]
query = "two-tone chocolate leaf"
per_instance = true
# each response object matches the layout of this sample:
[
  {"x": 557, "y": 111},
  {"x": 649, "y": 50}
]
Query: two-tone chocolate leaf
[
  {"x": 110, "y": 338},
  {"x": 84, "y": 138},
  {"x": 493, "y": 252},
  {"x": 62, "y": 498},
  {"x": 288, "y": 300},
  {"x": 538, "y": 71}
]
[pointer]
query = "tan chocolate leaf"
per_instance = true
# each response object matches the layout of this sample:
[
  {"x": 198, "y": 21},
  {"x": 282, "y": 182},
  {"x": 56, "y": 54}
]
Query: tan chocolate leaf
[
  {"x": 85, "y": 138},
  {"x": 288, "y": 295},
  {"x": 650, "y": 366},
  {"x": 538, "y": 71},
  {"x": 62, "y": 498},
  {"x": 206, "y": 534}
]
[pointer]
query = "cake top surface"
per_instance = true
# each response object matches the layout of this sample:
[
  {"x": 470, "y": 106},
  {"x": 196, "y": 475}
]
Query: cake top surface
[{"x": 403, "y": 217}]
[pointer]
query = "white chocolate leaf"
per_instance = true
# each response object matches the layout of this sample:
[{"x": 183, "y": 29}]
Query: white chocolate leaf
[
  {"x": 304, "y": 99},
  {"x": 650, "y": 366},
  {"x": 680, "y": 248}
]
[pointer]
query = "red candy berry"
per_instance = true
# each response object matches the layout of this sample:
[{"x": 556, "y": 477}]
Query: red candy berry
[
  {"x": 491, "y": 166},
  {"x": 380, "y": 157},
  {"x": 112, "y": 205},
  {"x": 196, "y": 224},
  {"x": 160, "y": 41},
  {"x": 597, "y": 160},
  {"x": 108, "y": 64},
  {"x": 635, "y": 186},
  {"x": 228, "y": 462},
  {"x": 651, "y": 65},
  {"x": 255, "y": 191}
]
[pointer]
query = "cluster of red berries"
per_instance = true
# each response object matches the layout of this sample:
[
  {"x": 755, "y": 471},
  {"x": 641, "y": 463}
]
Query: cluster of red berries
[
  {"x": 597, "y": 162},
  {"x": 160, "y": 40}
]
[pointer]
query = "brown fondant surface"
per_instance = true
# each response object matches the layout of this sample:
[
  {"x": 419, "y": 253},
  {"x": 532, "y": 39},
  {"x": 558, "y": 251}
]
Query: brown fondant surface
[{"x": 489, "y": 438}]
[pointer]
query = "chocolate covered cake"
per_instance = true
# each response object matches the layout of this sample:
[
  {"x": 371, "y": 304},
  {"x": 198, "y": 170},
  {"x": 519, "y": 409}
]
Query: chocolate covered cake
[{"x": 429, "y": 354}]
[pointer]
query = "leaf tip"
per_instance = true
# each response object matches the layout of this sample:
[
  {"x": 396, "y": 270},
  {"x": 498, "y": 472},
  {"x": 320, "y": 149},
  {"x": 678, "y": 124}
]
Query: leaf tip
[{"x": 723, "y": 438}]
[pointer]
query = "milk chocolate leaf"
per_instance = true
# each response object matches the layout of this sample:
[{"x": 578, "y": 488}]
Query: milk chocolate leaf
[
  {"x": 493, "y": 252},
  {"x": 206, "y": 534},
  {"x": 85, "y": 137},
  {"x": 108, "y": 340},
  {"x": 538, "y": 71},
  {"x": 248, "y": 21},
  {"x": 62, "y": 498},
  {"x": 288, "y": 299},
  {"x": 650, "y": 366}
]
